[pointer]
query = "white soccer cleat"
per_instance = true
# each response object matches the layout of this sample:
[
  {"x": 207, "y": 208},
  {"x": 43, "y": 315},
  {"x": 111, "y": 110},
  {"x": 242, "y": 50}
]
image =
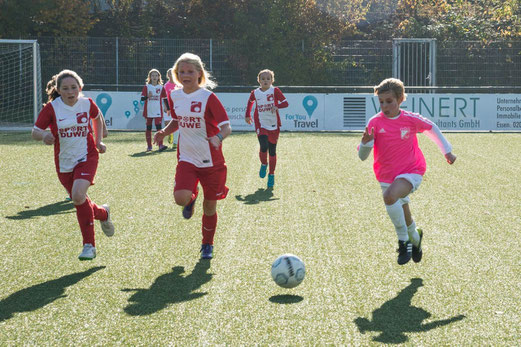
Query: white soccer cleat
[
  {"x": 88, "y": 253},
  {"x": 106, "y": 225}
]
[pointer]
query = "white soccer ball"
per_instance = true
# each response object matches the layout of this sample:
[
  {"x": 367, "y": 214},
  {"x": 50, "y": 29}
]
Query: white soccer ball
[{"x": 288, "y": 271}]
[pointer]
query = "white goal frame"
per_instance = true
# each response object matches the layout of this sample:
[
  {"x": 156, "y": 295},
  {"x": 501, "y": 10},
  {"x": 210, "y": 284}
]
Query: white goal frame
[{"x": 36, "y": 73}]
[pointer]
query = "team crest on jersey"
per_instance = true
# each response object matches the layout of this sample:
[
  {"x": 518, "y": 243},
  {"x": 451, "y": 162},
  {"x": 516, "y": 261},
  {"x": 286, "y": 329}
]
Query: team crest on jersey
[
  {"x": 196, "y": 106},
  {"x": 404, "y": 133},
  {"x": 82, "y": 118},
  {"x": 270, "y": 97},
  {"x": 158, "y": 90}
]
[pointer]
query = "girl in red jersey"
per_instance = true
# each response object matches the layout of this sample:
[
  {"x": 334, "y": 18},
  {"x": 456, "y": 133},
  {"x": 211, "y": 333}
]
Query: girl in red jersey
[
  {"x": 68, "y": 114},
  {"x": 203, "y": 125},
  {"x": 152, "y": 94},
  {"x": 268, "y": 100},
  {"x": 399, "y": 164}
]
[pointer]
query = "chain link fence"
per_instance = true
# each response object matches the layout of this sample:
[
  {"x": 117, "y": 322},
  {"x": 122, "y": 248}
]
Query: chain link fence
[{"x": 123, "y": 63}]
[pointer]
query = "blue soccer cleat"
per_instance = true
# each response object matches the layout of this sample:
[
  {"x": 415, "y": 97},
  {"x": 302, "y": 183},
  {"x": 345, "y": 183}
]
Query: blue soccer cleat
[
  {"x": 271, "y": 181},
  {"x": 188, "y": 210},
  {"x": 206, "y": 251},
  {"x": 262, "y": 171}
]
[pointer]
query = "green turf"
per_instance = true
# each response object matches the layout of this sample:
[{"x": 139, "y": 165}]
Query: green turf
[{"x": 147, "y": 285}]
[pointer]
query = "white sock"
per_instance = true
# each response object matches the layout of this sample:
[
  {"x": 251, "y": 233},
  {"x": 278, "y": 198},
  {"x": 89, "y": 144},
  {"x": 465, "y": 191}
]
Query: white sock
[
  {"x": 395, "y": 211},
  {"x": 413, "y": 234}
]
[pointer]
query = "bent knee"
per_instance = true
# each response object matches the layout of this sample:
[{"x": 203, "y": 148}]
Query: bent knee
[
  {"x": 182, "y": 198},
  {"x": 389, "y": 199}
]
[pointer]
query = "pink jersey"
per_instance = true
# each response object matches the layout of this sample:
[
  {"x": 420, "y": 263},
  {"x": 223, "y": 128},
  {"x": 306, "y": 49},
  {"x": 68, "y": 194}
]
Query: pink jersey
[
  {"x": 396, "y": 149},
  {"x": 71, "y": 128},
  {"x": 153, "y": 107},
  {"x": 199, "y": 115},
  {"x": 169, "y": 86},
  {"x": 264, "y": 101}
]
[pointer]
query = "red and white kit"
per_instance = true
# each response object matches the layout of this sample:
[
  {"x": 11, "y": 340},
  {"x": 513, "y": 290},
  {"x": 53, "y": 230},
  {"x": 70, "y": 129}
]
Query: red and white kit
[
  {"x": 71, "y": 128},
  {"x": 153, "y": 107},
  {"x": 263, "y": 117},
  {"x": 199, "y": 116}
]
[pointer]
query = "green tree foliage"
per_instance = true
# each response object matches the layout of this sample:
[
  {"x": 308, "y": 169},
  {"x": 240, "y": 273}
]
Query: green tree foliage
[{"x": 33, "y": 18}]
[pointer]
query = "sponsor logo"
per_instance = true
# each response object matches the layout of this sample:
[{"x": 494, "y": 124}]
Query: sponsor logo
[
  {"x": 196, "y": 106},
  {"x": 381, "y": 131},
  {"x": 404, "y": 133},
  {"x": 82, "y": 118}
]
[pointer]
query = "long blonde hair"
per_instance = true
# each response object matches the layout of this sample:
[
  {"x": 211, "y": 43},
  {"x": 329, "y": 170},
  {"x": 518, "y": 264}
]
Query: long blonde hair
[
  {"x": 205, "y": 81},
  {"x": 159, "y": 81}
]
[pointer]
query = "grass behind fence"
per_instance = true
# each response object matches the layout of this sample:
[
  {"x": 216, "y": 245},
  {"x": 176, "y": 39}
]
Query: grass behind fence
[{"x": 148, "y": 287}]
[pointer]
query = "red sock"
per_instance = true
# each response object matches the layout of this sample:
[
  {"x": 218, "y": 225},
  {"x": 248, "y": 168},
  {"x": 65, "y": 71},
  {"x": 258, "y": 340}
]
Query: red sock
[
  {"x": 99, "y": 212},
  {"x": 209, "y": 226},
  {"x": 273, "y": 163},
  {"x": 86, "y": 220},
  {"x": 148, "y": 135},
  {"x": 263, "y": 158}
]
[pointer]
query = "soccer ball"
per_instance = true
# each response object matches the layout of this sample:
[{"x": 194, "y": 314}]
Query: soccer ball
[{"x": 288, "y": 271}]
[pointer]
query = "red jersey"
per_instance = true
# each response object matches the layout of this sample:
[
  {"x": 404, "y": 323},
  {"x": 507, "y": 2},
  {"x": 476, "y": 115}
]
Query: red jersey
[
  {"x": 71, "y": 128},
  {"x": 153, "y": 107},
  {"x": 199, "y": 115},
  {"x": 264, "y": 101}
]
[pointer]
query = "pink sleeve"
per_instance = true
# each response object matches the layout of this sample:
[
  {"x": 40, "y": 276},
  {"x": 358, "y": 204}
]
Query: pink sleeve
[
  {"x": 45, "y": 117},
  {"x": 422, "y": 123}
]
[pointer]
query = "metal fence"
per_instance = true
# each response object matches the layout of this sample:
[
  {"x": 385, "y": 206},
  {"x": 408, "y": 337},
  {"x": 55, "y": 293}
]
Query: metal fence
[{"x": 123, "y": 63}]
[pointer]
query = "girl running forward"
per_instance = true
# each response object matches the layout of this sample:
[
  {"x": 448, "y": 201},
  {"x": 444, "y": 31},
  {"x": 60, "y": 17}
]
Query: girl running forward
[
  {"x": 68, "y": 114},
  {"x": 268, "y": 100},
  {"x": 399, "y": 164},
  {"x": 203, "y": 125},
  {"x": 152, "y": 94}
]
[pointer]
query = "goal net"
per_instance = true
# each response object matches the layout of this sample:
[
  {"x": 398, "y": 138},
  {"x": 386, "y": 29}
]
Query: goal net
[{"x": 20, "y": 86}]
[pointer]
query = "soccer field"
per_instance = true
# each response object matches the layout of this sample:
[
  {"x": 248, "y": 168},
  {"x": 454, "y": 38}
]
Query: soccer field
[{"x": 148, "y": 286}]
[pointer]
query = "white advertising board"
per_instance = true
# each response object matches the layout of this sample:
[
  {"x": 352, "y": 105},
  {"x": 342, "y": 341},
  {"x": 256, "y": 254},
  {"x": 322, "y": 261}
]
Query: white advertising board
[{"x": 334, "y": 112}]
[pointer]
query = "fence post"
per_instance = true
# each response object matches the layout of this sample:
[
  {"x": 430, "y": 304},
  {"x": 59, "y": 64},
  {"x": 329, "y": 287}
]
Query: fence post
[
  {"x": 117, "y": 63},
  {"x": 211, "y": 55}
]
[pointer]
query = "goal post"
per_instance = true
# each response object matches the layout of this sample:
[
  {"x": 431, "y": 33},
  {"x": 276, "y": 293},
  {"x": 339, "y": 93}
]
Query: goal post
[{"x": 20, "y": 86}]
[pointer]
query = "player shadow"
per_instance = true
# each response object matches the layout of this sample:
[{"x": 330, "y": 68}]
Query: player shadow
[
  {"x": 397, "y": 317},
  {"x": 40, "y": 295},
  {"x": 169, "y": 288},
  {"x": 60, "y": 207},
  {"x": 286, "y": 299},
  {"x": 260, "y": 195},
  {"x": 154, "y": 152}
]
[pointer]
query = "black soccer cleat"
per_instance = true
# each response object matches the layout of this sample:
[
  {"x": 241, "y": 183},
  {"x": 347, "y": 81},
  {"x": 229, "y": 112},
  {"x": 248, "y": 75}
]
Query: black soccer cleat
[
  {"x": 404, "y": 252},
  {"x": 417, "y": 251}
]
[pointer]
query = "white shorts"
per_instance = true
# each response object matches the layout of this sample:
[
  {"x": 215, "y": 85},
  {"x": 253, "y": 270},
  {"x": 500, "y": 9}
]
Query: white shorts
[{"x": 414, "y": 179}]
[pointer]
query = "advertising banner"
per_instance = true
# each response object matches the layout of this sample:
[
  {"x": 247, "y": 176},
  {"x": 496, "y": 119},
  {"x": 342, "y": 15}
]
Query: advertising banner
[{"x": 337, "y": 112}]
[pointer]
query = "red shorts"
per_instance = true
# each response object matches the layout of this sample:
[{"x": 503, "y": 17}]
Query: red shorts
[
  {"x": 213, "y": 179},
  {"x": 85, "y": 170},
  {"x": 273, "y": 135}
]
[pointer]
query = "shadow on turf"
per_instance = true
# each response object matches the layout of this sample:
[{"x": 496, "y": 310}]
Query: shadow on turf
[
  {"x": 60, "y": 207},
  {"x": 169, "y": 288},
  {"x": 154, "y": 152},
  {"x": 260, "y": 195},
  {"x": 397, "y": 316},
  {"x": 286, "y": 299},
  {"x": 39, "y": 295}
]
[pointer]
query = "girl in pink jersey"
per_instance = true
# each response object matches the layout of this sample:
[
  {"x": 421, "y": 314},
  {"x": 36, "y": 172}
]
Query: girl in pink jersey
[
  {"x": 169, "y": 86},
  {"x": 399, "y": 164},
  {"x": 268, "y": 100},
  {"x": 152, "y": 94},
  {"x": 203, "y": 125},
  {"x": 68, "y": 114}
]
